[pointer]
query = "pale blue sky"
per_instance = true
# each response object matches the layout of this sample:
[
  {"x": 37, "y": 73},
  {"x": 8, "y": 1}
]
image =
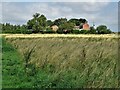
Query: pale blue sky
[{"x": 101, "y": 12}]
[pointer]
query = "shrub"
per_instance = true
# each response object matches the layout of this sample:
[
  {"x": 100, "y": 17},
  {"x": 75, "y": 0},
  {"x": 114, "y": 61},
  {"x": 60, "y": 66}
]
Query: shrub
[
  {"x": 75, "y": 31},
  {"x": 26, "y": 31},
  {"x": 102, "y": 29},
  {"x": 60, "y": 31},
  {"x": 35, "y": 31},
  {"x": 84, "y": 32},
  {"x": 49, "y": 31},
  {"x": 92, "y": 31}
]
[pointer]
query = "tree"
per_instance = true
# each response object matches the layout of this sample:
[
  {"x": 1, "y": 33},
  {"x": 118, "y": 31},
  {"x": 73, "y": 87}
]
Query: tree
[
  {"x": 75, "y": 21},
  {"x": 60, "y": 21},
  {"x": 38, "y": 23},
  {"x": 81, "y": 20},
  {"x": 66, "y": 27},
  {"x": 42, "y": 21},
  {"x": 92, "y": 30},
  {"x": 102, "y": 29},
  {"x": 78, "y": 22},
  {"x": 36, "y": 15},
  {"x": 49, "y": 23},
  {"x": 30, "y": 23}
]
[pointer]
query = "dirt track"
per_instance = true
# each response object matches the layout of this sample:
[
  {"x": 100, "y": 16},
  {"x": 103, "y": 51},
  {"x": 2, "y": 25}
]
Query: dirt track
[{"x": 58, "y": 35}]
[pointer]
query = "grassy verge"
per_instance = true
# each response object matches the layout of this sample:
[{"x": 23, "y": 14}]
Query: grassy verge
[{"x": 12, "y": 69}]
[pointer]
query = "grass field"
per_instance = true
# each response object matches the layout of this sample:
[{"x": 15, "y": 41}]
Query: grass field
[{"x": 53, "y": 61}]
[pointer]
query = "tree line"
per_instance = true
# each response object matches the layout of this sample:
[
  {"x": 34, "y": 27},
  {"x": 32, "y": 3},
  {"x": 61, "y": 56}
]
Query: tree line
[{"x": 40, "y": 24}]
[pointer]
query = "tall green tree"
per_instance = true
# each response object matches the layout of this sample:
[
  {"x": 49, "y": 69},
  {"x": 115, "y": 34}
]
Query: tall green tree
[
  {"x": 42, "y": 21},
  {"x": 37, "y": 23}
]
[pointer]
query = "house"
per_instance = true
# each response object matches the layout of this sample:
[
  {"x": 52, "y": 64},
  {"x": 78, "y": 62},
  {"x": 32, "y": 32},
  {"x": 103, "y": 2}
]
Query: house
[
  {"x": 86, "y": 26},
  {"x": 83, "y": 26},
  {"x": 54, "y": 28},
  {"x": 76, "y": 28}
]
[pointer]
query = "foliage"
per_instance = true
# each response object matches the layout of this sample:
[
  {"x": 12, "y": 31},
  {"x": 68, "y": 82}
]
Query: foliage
[
  {"x": 49, "y": 23},
  {"x": 68, "y": 26},
  {"x": 76, "y": 32},
  {"x": 102, "y": 29},
  {"x": 60, "y": 21},
  {"x": 14, "y": 29},
  {"x": 12, "y": 68},
  {"x": 37, "y": 23},
  {"x": 84, "y": 32},
  {"x": 49, "y": 31},
  {"x": 78, "y": 22},
  {"x": 60, "y": 31},
  {"x": 92, "y": 30}
]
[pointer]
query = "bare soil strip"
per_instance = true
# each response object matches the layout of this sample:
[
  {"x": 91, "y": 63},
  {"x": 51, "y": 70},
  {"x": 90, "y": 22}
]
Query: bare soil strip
[{"x": 59, "y": 35}]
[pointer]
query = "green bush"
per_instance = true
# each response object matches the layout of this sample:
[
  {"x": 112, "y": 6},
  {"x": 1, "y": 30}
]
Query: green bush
[
  {"x": 25, "y": 31},
  {"x": 48, "y": 32},
  {"x": 75, "y": 31},
  {"x": 84, "y": 31},
  {"x": 60, "y": 31},
  {"x": 18, "y": 31},
  {"x": 102, "y": 29},
  {"x": 92, "y": 31}
]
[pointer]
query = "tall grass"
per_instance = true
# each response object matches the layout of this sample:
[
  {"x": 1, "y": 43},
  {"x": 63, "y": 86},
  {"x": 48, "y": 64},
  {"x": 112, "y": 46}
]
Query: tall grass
[{"x": 71, "y": 62}]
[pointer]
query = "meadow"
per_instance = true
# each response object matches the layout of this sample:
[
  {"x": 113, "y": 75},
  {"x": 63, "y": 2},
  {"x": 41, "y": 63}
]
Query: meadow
[{"x": 60, "y": 61}]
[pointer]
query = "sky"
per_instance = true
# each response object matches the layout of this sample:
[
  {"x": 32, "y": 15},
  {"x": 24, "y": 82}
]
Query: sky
[{"x": 98, "y": 12}]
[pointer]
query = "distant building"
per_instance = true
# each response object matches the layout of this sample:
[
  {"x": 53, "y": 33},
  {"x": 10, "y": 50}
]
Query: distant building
[
  {"x": 82, "y": 27},
  {"x": 76, "y": 28},
  {"x": 86, "y": 26},
  {"x": 54, "y": 28}
]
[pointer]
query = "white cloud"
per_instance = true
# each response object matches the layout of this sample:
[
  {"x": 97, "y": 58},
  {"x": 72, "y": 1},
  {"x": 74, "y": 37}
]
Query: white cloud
[{"x": 95, "y": 6}]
